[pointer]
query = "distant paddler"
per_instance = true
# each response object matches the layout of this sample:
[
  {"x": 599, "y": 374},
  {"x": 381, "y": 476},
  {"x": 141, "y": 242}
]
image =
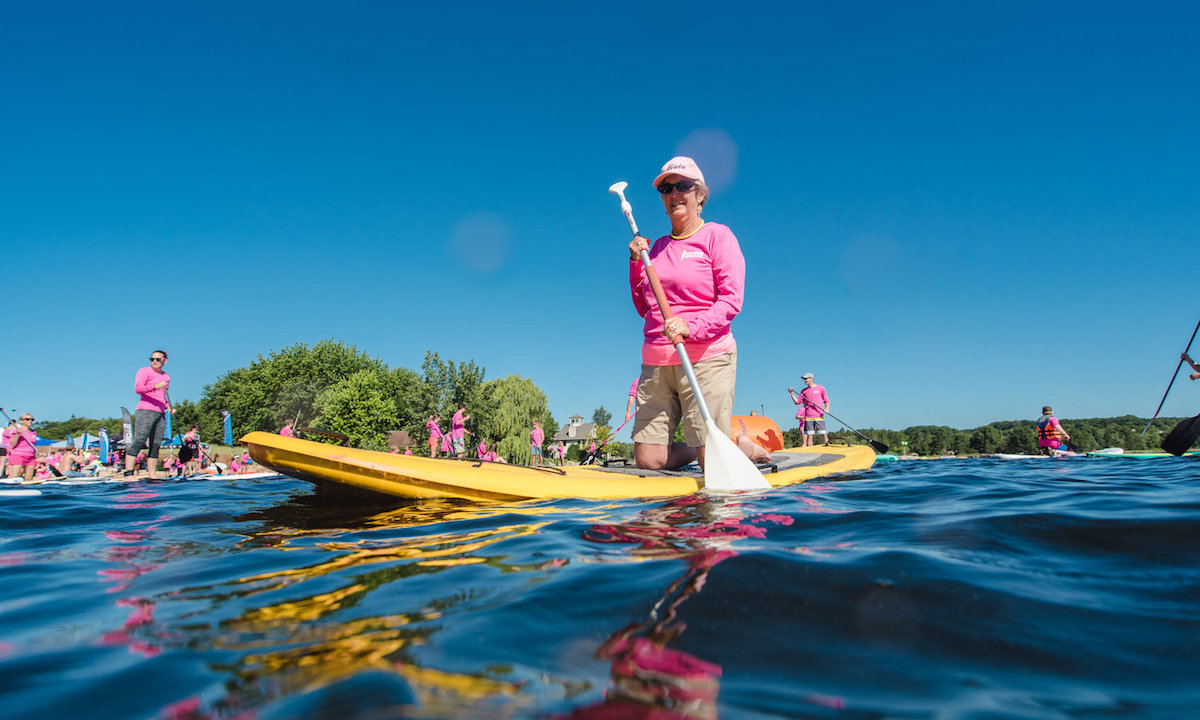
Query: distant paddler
[
  {"x": 20, "y": 439},
  {"x": 1051, "y": 434},
  {"x": 151, "y": 384},
  {"x": 814, "y": 403},
  {"x": 1195, "y": 366}
]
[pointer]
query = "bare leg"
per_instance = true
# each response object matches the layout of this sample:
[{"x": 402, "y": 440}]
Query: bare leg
[
  {"x": 662, "y": 457},
  {"x": 152, "y": 468}
]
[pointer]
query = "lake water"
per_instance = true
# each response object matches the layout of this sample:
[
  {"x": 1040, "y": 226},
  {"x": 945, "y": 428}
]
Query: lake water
[{"x": 919, "y": 589}]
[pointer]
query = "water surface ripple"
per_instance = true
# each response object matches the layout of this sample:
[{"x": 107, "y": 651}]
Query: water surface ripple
[{"x": 980, "y": 588}]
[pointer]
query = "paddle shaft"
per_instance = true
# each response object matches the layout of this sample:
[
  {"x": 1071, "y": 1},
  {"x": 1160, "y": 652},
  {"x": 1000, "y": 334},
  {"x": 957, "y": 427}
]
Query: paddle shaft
[
  {"x": 879, "y": 447},
  {"x": 1173, "y": 376},
  {"x": 665, "y": 308}
]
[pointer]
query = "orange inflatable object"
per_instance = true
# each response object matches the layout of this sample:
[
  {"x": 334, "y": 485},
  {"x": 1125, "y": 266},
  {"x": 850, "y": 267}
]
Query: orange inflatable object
[{"x": 762, "y": 430}]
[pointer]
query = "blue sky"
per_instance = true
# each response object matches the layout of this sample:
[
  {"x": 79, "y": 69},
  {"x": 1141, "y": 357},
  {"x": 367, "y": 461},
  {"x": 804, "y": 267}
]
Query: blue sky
[{"x": 952, "y": 212}]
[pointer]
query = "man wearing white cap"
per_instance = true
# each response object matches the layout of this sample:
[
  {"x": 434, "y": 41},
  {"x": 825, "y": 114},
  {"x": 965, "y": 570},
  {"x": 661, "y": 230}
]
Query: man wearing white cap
[{"x": 814, "y": 403}]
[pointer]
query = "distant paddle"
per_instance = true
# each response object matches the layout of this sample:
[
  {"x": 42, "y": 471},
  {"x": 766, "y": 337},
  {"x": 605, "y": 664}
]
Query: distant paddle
[
  {"x": 590, "y": 457},
  {"x": 1182, "y": 437},
  {"x": 879, "y": 447},
  {"x": 726, "y": 467},
  {"x": 1173, "y": 376},
  {"x": 342, "y": 439}
]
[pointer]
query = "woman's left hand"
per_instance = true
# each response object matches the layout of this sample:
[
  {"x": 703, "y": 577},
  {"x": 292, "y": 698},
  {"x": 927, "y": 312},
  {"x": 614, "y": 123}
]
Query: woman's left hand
[{"x": 676, "y": 327}]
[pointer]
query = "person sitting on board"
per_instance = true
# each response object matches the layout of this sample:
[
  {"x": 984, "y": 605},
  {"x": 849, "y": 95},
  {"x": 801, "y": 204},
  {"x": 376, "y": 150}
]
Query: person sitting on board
[
  {"x": 1195, "y": 366},
  {"x": 22, "y": 452},
  {"x": 1050, "y": 432},
  {"x": 703, "y": 273},
  {"x": 286, "y": 430},
  {"x": 814, "y": 403},
  {"x": 151, "y": 384}
]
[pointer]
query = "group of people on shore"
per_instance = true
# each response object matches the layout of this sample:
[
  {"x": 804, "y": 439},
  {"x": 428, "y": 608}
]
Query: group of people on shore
[
  {"x": 20, "y": 458},
  {"x": 453, "y": 443}
]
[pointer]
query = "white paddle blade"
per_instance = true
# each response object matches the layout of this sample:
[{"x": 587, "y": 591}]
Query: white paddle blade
[
  {"x": 726, "y": 467},
  {"x": 618, "y": 187}
]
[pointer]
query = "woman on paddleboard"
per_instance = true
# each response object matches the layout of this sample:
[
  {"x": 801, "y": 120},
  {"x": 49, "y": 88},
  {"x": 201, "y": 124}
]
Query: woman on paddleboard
[
  {"x": 151, "y": 384},
  {"x": 22, "y": 455},
  {"x": 703, "y": 274}
]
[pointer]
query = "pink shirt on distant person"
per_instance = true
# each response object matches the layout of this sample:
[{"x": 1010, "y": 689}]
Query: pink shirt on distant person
[
  {"x": 536, "y": 436},
  {"x": 457, "y": 426},
  {"x": 703, "y": 277},
  {"x": 20, "y": 453},
  {"x": 152, "y": 398},
  {"x": 817, "y": 400},
  {"x": 286, "y": 431}
]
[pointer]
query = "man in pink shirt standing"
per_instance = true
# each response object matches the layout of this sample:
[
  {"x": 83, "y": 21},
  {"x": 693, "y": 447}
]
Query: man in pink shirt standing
[
  {"x": 151, "y": 385},
  {"x": 536, "y": 436},
  {"x": 814, "y": 403},
  {"x": 458, "y": 432}
]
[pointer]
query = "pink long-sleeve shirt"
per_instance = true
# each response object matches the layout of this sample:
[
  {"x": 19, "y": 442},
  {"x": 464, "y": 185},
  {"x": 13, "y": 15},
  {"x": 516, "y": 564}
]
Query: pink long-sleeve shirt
[
  {"x": 152, "y": 398},
  {"x": 703, "y": 277},
  {"x": 21, "y": 445}
]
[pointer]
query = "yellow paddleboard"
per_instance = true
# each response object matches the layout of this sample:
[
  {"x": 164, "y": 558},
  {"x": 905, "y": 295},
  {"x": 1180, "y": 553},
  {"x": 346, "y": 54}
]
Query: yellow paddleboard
[{"x": 422, "y": 477}]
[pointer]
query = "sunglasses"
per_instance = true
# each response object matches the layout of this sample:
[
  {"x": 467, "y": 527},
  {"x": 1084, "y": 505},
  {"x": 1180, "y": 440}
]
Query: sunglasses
[
  {"x": 154, "y": 359},
  {"x": 682, "y": 186},
  {"x": 29, "y": 419}
]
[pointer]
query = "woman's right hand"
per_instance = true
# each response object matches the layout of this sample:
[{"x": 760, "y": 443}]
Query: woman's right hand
[{"x": 636, "y": 246}]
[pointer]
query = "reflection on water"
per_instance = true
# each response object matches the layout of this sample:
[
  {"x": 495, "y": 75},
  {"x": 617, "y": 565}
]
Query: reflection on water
[
  {"x": 648, "y": 675},
  {"x": 950, "y": 589},
  {"x": 316, "y": 641}
]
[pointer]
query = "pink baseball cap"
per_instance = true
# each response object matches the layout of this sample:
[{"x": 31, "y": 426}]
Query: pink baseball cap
[{"x": 682, "y": 166}]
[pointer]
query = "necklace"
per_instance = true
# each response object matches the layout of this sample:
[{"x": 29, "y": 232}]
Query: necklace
[{"x": 685, "y": 235}]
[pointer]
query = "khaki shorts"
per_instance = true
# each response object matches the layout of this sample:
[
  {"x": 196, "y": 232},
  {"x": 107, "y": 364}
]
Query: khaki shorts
[{"x": 664, "y": 397}]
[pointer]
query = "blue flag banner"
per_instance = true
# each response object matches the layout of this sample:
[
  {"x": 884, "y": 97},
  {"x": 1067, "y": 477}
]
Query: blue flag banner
[
  {"x": 70, "y": 441},
  {"x": 228, "y": 427},
  {"x": 105, "y": 447},
  {"x": 167, "y": 433}
]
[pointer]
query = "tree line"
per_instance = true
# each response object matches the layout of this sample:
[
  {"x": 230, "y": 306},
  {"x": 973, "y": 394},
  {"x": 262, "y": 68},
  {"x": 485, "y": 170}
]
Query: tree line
[{"x": 1010, "y": 436}]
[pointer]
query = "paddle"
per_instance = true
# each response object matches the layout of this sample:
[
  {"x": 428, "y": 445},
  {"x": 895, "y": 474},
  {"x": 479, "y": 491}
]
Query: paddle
[
  {"x": 879, "y": 447},
  {"x": 342, "y": 439},
  {"x": 591, "y": 455},
  {"x": 1173, "y": 376},
  {"x": 1182, "y": 437},
  {"x": 726, "y": 467}
]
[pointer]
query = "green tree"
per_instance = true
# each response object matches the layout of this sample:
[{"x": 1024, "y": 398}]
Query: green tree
[
  {"x": 985, "y": 440},
  {"x": 601, "y": 417},
  {"x": 513, "y": 403},
  {"x": 279, "y": 386},
  {"x": 359, "y": 408}
]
